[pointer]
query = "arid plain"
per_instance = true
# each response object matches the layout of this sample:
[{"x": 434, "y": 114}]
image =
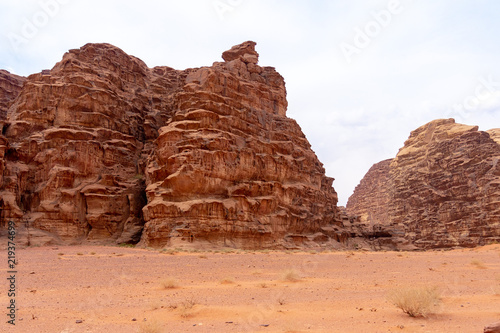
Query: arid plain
[{"x": 118, "y": 289}]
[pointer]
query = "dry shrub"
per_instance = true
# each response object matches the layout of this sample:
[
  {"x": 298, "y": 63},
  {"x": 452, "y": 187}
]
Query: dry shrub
[
  {"x": 227, "y": 280},
  {"x": 290, "y": 275},
  {"x": 416, "y": 302},
  {"x": 170, "y": 284},
  {"x": 186, "y": 308},
  {"x": 478, "y": 264},
  {"x": 150, "y": 327}
]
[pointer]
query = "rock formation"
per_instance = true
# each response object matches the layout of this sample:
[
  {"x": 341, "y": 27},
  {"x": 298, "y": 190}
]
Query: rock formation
[
  {"x": 230, "y": 168},
  {"x": 441, "y": 190},
  {"x": 77, "y": 134},
  {"x": 10, "y": 87},
  {"x": 103, "y": 148}
]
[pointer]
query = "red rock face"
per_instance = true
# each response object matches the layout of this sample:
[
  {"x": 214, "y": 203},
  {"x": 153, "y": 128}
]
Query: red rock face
[
  {"x": 102, "y": 144},
  {"x": 441, "y": 190},
  {"x": 371, "y": 197},
  {"x": 230, "y": 168},
  {"x": 10, "y": 87},
  {"x": 81, "y": 134}
]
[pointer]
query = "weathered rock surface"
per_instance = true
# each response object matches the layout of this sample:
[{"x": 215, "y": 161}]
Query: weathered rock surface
[
  {"x": 441, "y": 190},
  {"x": 229, "y": 167},
  {"x": 371, "y": 197},
  {"x": 101, "y": 145},
  {"x": 10, "y": 87},
  {"x": 79, "y": 136}
]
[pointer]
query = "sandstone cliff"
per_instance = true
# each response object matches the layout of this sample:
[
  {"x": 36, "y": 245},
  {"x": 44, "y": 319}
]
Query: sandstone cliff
[
  {"x": 230, "y": 167},
  {"x": 103, "y": 148},
  {"x": 10, "y": 87},
  {"x": 441, "y": 190}
]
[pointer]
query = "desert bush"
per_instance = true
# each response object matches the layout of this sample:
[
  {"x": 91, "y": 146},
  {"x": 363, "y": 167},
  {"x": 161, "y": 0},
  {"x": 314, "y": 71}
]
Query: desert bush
[
  {"x": 415, "y": 302},
  {"x": 170, "y": 283},
  {"x": 478, "y": 264},
  {"x": 170, "y": 251},
  {"x": 186, "y": 308},
  {"x": 126, "y": 245},
  {"x": 290, "y": 275}
]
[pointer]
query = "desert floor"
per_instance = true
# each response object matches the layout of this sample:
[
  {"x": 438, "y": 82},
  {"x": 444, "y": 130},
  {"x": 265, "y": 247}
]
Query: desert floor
[{"x": 116, "y": 289}]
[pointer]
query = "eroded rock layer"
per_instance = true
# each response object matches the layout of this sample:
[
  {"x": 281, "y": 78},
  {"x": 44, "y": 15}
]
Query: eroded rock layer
[
  {"x": 101, "y": 147},
  {"x": 231, "y": 169},
  {"x": 78, "y": 138},
  {"x": 441, "y": 190}
]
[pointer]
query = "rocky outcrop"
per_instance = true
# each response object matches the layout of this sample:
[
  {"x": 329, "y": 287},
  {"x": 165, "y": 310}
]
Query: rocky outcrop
[
  {"x": 376, "y": 186},
  {"x": 441, "y": 190},
  {"x": 79, "y": 136},
  {"x": 229, "y": 167},
  {"x": 101, "y": 147}
]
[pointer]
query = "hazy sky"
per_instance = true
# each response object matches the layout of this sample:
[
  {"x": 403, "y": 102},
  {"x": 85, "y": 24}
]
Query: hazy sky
[{"x": 360, "y": 74}]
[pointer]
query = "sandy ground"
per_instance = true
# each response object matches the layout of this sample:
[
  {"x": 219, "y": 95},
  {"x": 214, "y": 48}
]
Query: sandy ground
[{"x": 114, "y": 289}]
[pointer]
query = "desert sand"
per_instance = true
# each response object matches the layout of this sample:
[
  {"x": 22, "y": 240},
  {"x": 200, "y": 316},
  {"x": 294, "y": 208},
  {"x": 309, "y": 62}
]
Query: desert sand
[{"x": 118, "y": 289}]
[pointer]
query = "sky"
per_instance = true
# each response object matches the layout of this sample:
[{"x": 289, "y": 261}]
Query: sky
[{"x": 360, "y": 74}]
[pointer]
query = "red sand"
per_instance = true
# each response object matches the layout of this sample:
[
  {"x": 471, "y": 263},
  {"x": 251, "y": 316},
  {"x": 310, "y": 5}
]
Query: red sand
[{"x": 113, "y": 289}]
